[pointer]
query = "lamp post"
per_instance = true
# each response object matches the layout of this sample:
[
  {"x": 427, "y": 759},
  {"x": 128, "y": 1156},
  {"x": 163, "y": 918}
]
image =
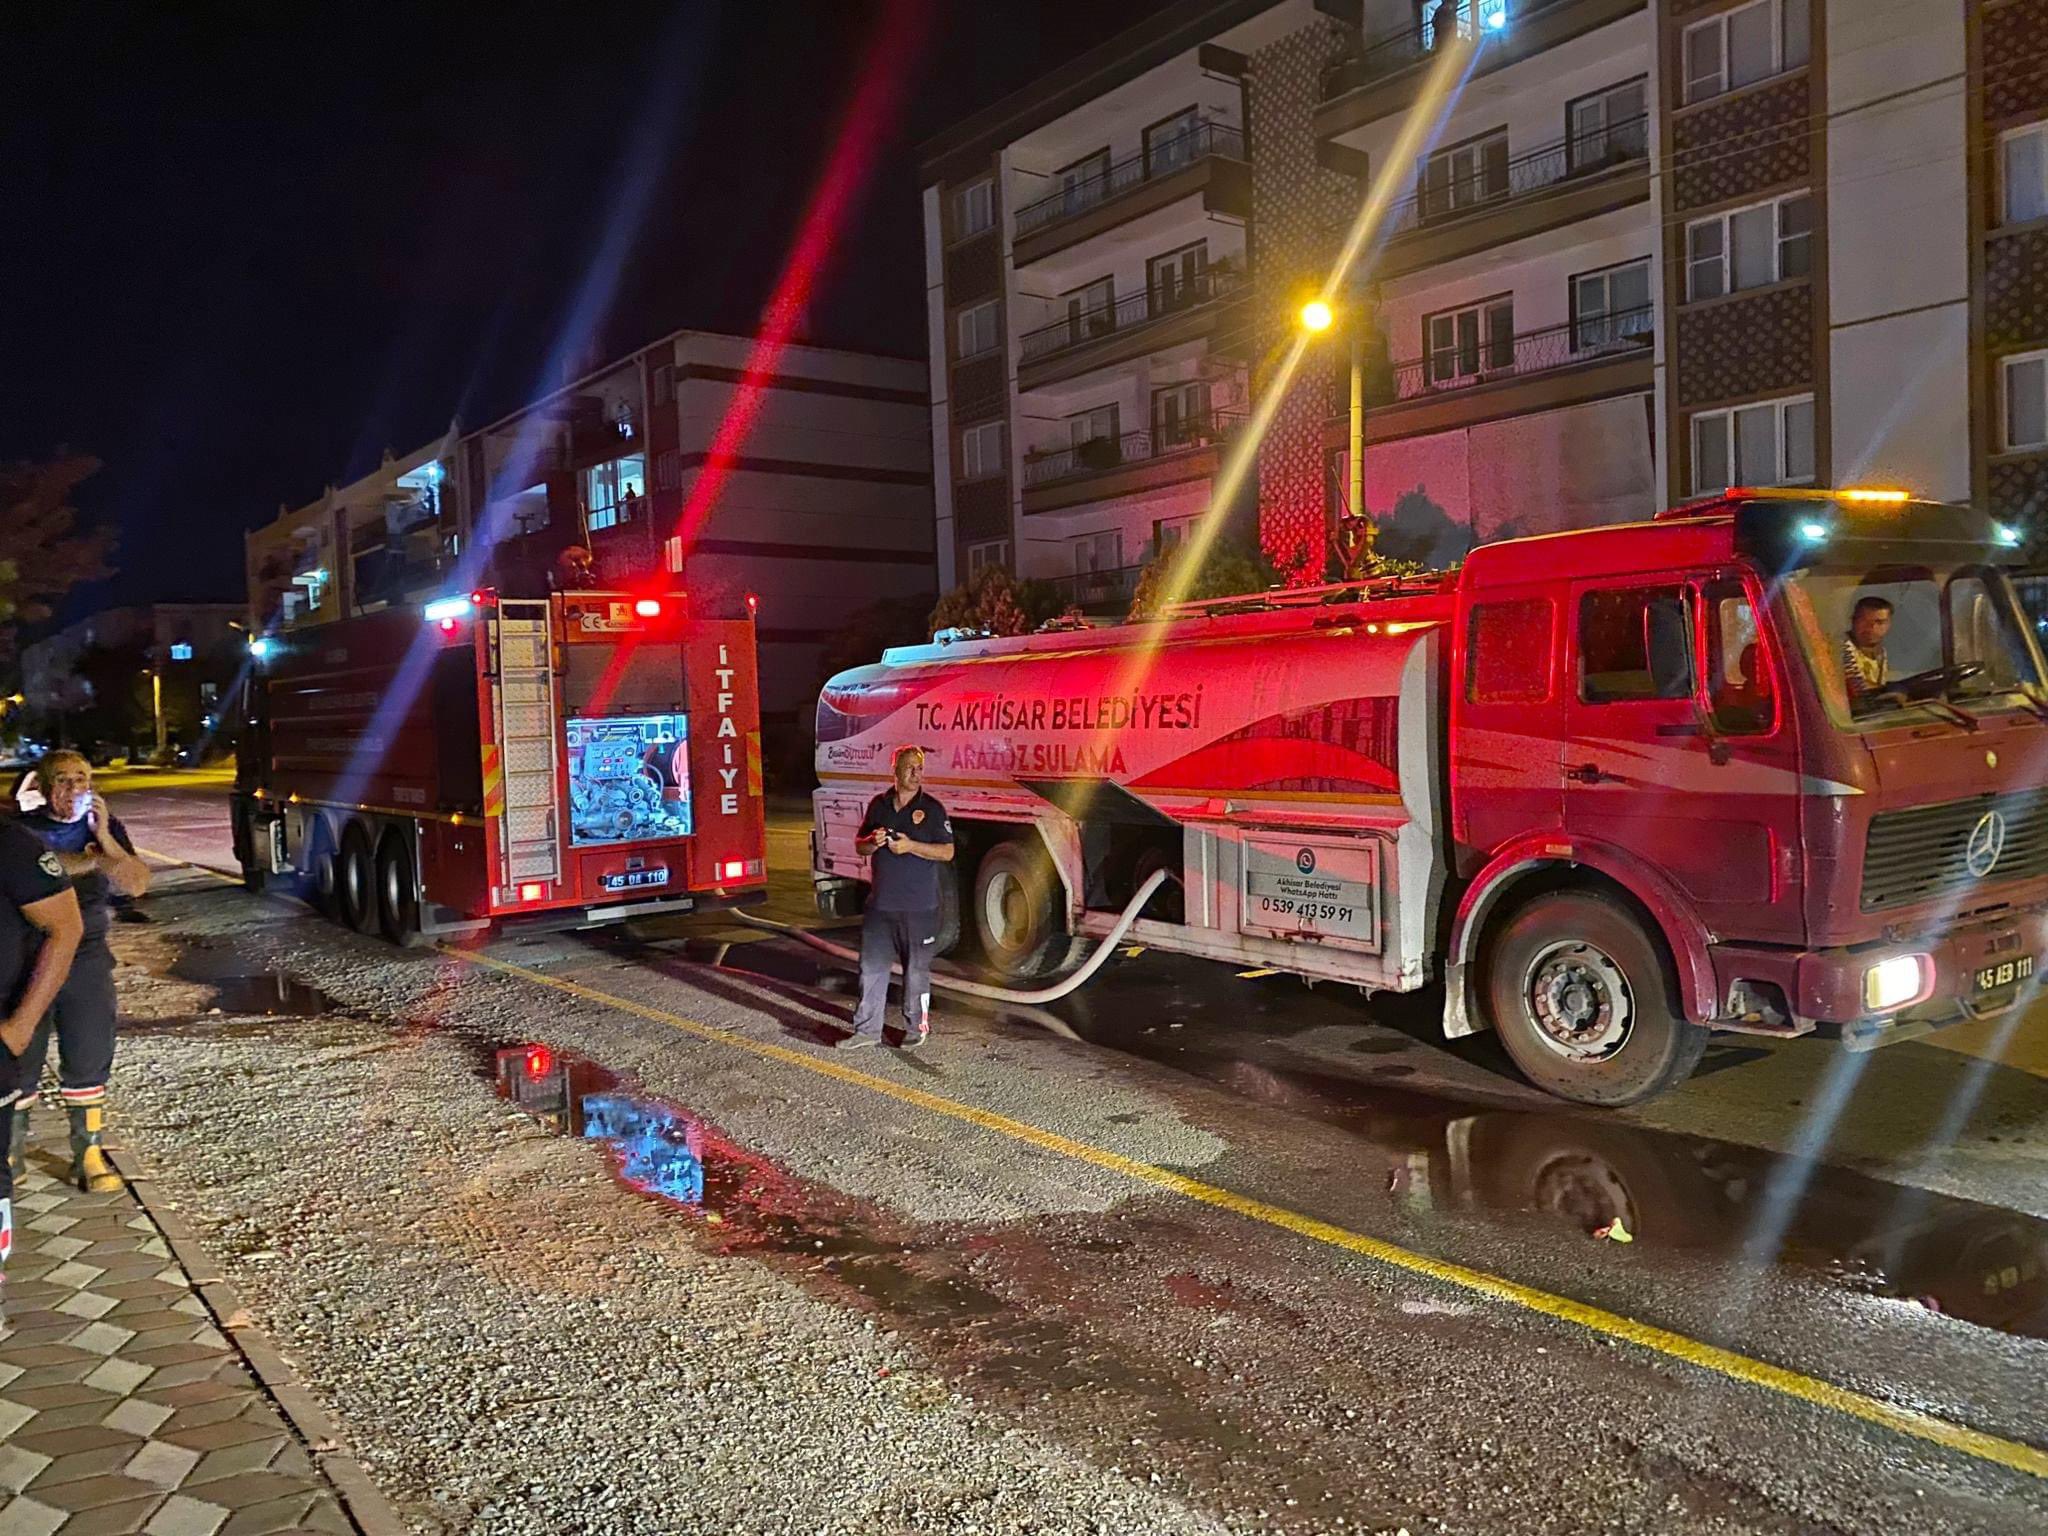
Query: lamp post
[
  {"x": 1317, "y": 317},
  {"x": 156, "y": 693}
]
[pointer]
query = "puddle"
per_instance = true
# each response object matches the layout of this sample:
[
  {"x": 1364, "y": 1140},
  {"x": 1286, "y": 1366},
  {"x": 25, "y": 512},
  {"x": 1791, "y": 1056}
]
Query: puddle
[
  {"x": 270, "y": 996},
  {"x": 1564, "y": 1169}
]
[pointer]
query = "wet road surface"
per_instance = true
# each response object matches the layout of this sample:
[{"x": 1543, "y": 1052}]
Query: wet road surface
[{"x": 1904, "y": 1258}]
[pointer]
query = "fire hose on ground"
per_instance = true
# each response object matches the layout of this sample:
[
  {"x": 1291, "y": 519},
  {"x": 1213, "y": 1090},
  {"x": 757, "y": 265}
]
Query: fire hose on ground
[{"x": 1051, "y": 994}]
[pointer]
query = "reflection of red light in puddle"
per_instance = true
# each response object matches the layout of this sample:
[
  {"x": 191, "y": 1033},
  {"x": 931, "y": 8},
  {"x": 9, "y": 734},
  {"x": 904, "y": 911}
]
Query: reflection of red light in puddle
[{"x": 540, "y": 1061}]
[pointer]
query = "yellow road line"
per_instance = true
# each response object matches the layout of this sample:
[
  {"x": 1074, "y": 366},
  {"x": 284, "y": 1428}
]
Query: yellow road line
[{"x": 1707, "y": 1357}]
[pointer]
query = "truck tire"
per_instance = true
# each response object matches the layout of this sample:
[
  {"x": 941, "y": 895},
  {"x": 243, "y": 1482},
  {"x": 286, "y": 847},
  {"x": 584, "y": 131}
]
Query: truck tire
[
  {"x": 949, "y": 911},
  {"x": 323, "y": 873},
  {"x": 356, "y": 880},
  {"x": 1584, "y": 1001},
  {"x": 398, "y": 892},
  {"x": 1022, "y": 932}
]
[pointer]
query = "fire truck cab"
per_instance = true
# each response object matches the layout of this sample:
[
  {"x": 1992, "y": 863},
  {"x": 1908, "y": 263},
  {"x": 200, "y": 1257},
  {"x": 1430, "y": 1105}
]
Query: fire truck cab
[{"x": 1615, "y": 788}]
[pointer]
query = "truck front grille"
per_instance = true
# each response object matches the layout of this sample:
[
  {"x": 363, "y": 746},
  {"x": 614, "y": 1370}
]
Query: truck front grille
[{"x": 1921, "y": 854}]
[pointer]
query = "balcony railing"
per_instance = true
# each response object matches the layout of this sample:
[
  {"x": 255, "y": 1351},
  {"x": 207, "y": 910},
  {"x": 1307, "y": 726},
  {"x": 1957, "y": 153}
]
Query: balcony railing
[
  {"x": 1150, "y": 164},
  {"x": 1551, "y": 165},
  {"x": 1529, "y": 352},
  {"x": 1044, "y": 466},
  {"x": 1083, "y": 326},
  {"x": 1098, "y": 592},
  {"x": 1358, "y": 65}
]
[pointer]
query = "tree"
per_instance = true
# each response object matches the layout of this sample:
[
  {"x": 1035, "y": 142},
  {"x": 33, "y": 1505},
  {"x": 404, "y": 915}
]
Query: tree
[
  {"x": 42, "y": 553},
  {"x": 1000, "y": 603},
  {"x": 1229, "y": 568}
]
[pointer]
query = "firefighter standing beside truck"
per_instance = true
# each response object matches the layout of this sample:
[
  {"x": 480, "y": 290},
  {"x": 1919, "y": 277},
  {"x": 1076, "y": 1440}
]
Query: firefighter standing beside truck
[{"x": 906, "y": 835}]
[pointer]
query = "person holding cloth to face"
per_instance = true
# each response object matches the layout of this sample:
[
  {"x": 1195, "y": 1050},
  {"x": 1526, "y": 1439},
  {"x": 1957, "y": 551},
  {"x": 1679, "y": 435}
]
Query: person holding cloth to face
[{"x": 907, "y": 836}]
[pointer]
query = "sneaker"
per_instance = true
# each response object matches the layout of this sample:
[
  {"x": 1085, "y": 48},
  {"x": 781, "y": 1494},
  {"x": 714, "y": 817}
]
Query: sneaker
[
  {"x": 913, "y": 1038},
  {"x": 856, "y": 1040}
]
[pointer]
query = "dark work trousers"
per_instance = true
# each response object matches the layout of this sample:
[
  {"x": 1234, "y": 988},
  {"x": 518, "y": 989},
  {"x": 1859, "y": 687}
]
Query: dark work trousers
[
  {"x": 885, "y": 938},
  {"x": 6, "y": 1170},
  {"x": 83, "y": 1020}
]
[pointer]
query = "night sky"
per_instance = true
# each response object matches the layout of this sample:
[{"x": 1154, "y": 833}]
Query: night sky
[{"x": 250, "y": 246}]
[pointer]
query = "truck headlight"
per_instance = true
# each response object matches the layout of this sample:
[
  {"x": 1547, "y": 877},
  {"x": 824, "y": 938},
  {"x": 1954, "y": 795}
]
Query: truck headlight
[{"x": 1896, "y": 982}]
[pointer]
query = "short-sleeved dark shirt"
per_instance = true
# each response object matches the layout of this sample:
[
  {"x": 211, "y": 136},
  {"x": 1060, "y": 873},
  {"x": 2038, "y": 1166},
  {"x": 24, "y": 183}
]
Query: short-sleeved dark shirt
[
  {"x": 902, "y": 882},
  {"x": 29, "y": 873},
  {"x": 76, "y": 837}
]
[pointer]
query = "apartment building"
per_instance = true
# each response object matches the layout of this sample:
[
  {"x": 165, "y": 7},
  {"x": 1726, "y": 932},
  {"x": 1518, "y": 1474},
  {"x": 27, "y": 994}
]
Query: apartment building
[
  {"x": 1651, "y": 248},
  {"x": 1089, "y": 259},
  {"x": 825, "y": 507}
]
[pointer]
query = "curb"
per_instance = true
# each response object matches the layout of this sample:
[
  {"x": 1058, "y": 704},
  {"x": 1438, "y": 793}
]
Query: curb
[{"x": 360, "y": 1498}]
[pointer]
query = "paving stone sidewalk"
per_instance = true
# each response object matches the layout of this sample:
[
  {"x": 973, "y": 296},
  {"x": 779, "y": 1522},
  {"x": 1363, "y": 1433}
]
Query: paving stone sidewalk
[{"x": 123, "y": 1407}]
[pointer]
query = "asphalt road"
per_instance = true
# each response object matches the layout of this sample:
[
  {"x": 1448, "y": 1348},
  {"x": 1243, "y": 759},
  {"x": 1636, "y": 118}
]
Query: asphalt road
[{"x": 1295, "y": 1259}]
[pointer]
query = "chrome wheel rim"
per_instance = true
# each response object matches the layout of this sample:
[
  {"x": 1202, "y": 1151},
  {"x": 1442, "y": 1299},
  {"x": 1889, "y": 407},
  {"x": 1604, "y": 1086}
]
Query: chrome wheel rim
[{"x": 1579, "y": 1001}]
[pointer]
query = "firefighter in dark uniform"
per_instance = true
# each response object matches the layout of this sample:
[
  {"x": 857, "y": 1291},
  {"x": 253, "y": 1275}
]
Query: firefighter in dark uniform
[
  {"x": 40, "y": 929},
  {"x": 907, "y": 836},
  {"x": 92, "y": 847}
]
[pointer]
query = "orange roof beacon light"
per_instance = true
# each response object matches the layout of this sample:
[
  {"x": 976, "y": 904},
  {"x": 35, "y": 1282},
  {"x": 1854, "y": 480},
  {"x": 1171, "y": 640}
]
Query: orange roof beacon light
[{"x": 1873, "y": 496}]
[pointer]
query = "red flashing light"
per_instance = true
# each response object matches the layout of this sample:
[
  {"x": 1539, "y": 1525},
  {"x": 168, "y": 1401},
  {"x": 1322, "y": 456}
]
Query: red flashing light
[
  {"x": 482, "y": 597},
  {"x": 531, "y": 891},
  {"x": 648, "y": 607},
  {"x": 732, "y": 869},
  {"x": 753, "y": 605},
  {"x": 447, "y": 626},
  {"x": 540, "y": 1061}
]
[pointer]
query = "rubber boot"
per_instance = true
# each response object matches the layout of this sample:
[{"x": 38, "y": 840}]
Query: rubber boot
[
  {"x": 17, "y": 1144},
  {"x": 90, "y": 1170}
]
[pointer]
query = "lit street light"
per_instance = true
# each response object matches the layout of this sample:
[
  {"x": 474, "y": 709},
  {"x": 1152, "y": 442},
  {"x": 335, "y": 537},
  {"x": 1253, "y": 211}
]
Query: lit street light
[{"x": 1316, "y": 316}]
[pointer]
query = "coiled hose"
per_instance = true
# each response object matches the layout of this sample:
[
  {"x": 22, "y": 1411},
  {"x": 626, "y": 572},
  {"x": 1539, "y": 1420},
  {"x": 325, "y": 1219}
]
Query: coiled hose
[{"x": 981, "y": 989}]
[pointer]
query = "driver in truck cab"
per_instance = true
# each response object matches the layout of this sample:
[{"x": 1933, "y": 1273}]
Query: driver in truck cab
[{"x": 1865, "y": 667}]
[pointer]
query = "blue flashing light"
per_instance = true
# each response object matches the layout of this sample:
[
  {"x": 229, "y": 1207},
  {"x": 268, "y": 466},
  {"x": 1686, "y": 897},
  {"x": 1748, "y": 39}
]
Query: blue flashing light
[
  {"x": 2008, "y": 535},
  {"x": 448, "y": 608},
  {"x": 261, "y": 646},
  {"x": 1813, "y": 533}
]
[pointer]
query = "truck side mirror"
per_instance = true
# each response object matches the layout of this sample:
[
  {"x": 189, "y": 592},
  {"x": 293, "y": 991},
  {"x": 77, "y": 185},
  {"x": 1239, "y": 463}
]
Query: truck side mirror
[{"x": 1667, "y": 642}]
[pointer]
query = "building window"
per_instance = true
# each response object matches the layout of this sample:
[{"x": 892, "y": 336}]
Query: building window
[
  {"x": 665, "y": 384},
  {"x": 1607, "y": 127},
  {"x": 611, "y": 491},
  {"x": 974, "y": 208},
  {"x": 1175, "y": 280},
  {"x": 181, "y": 650},
  {"x": 1169, "y": 533},
  {"x": 1180, "y": 415},
  {"x": 1743, "y": 46},
  {"x": 1098, "y": 551},
  {"x": 1465, "y": 175},
  {"x": 981, "y": 451},
  {"x": 2023, "y": 381},
  {"x": 994, "y": 555},
  {"x": 1466, "y": 17},
  {"x": 1770, "y": 443},
  {"x": 978, "y": 330},
  {"x": 1172, "y": 142},
  {"x": 1084, "y": 183},
  {"x": 1611, "y": 305},
  {"x": 1092, "y": 435},
  {"x": 1749, "y": 247},
  {"x": 1461, "y": 344},
  {"x": 1091, "y": 310},
  {"x": 2023, "y": 173}
]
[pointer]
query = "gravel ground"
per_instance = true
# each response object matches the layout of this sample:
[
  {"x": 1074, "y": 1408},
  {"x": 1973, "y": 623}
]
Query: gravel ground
[{"x": 514, "y": 1343}]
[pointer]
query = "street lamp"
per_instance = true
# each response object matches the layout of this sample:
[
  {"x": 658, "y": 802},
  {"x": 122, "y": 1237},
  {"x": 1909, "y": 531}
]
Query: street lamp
[{"x": 1317, "y": 317}]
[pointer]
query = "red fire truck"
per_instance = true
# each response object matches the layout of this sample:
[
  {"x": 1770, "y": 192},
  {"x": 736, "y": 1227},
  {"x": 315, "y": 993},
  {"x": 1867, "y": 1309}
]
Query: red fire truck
[
  {"x": 558, "y": 762},
  {"x": 1609, "y": 786}
]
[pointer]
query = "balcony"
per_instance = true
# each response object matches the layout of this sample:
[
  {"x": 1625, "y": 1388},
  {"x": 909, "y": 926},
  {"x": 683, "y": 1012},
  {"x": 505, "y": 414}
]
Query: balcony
[
  {"x": 1375, "y": 79},
  {"x": 1560, "y": 365},
  {"x": 1545, "y": 188},
  {"x": 1098, "y": 594},
  {"x": 1138, "y": 323},
  {"x": 1207, "y": 159},
  {"x": 1104, "y": 468}
]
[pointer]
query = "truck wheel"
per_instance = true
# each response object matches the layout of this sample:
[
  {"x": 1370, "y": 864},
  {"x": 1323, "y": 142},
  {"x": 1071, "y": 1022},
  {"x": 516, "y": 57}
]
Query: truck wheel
[
  {"x": 398, "y": 893},
  {"x": 1584, "y": 1002},
  {"x": 949, "y": 911},
  {"x": 356, "y": 880},
  {"x": 1016, "y": 917},
  {"x": 323, "y": 874}
]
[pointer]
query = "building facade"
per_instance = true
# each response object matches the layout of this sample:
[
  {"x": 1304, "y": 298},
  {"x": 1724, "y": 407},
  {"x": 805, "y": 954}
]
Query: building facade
[
  {"x": 823, "y": 507},
  {"x": 1646, "y": 249}
]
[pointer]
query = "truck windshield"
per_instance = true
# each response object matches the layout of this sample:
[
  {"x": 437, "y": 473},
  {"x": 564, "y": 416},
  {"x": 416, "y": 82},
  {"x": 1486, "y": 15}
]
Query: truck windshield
[{"x": 1922, "y": 638}]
